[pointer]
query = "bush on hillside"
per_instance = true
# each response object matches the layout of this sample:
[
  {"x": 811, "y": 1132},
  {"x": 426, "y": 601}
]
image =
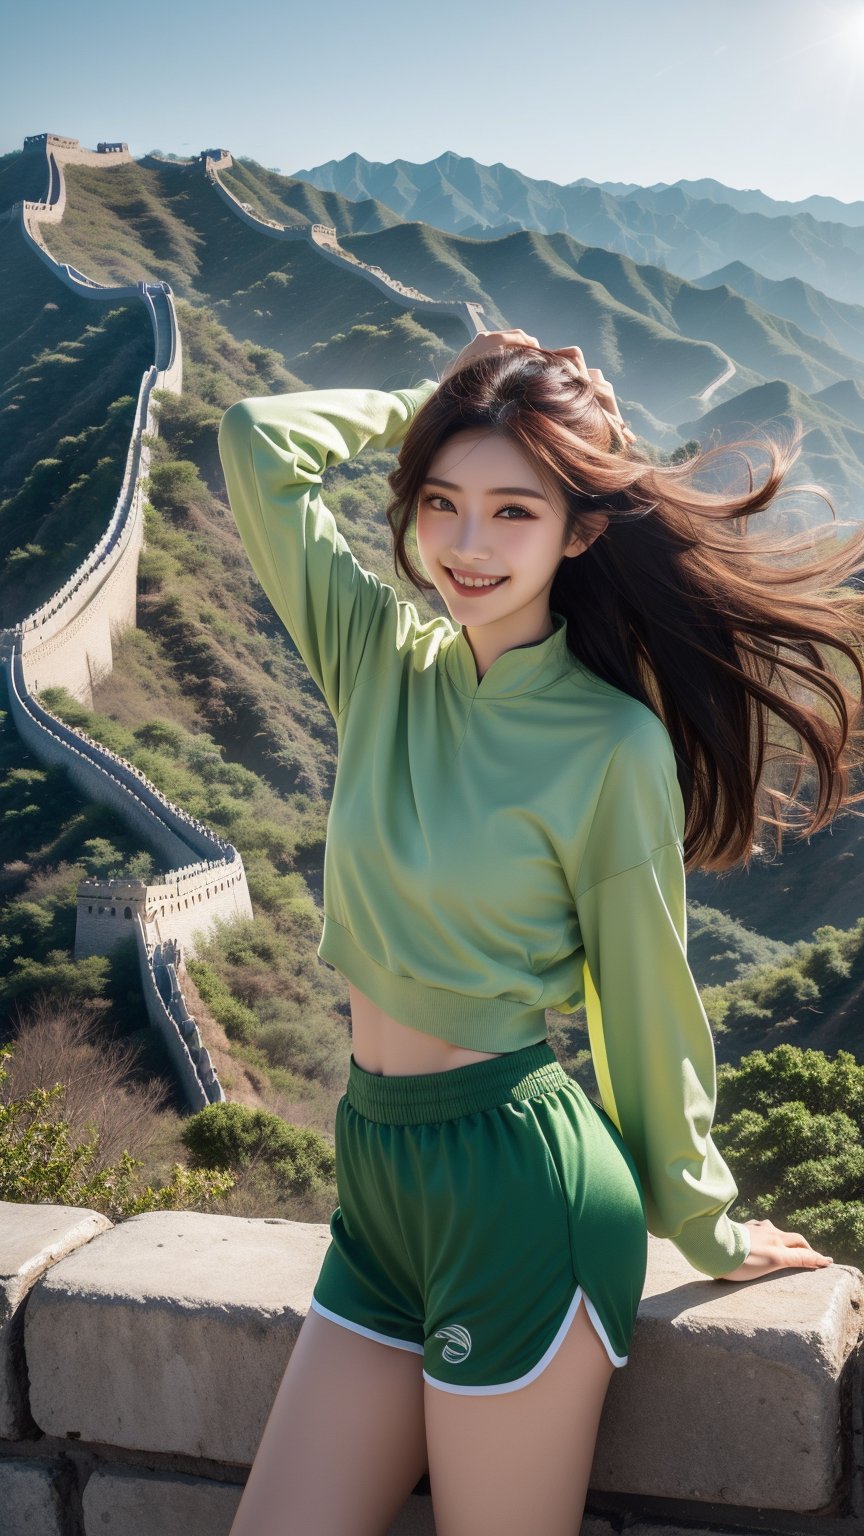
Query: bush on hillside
[
  {"x": 808, "y": 982},
  {"x": 790, "y": 1124},
  {"x": 175, "y": 483},
  {"x": 236, "y": 1137}
]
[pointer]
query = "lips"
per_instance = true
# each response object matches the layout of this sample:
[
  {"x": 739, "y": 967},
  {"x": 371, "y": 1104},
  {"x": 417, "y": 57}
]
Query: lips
[{"x": 499, "y": 582}]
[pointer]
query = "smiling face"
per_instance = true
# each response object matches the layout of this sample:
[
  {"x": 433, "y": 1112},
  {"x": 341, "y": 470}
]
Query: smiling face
[{"x": 483, "y": 512}]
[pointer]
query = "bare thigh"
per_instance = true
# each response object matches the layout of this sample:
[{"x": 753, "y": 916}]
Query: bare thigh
[
  {"x": 519, "y": 1461},
  {"x": 345, "y": 1441}
]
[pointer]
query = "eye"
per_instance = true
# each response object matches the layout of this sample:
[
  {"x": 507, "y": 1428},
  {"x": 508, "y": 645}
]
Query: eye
[{"x": 511, "y": 507}]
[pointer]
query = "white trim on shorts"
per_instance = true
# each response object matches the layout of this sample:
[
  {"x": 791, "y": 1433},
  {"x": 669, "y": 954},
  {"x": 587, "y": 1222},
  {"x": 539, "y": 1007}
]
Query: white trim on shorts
[
  {"x": 522, "y": 1381},
  {"x": 368, "y": 1333}
]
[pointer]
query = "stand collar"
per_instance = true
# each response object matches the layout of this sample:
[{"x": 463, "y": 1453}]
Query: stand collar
[{"x": 522, "y": 669}]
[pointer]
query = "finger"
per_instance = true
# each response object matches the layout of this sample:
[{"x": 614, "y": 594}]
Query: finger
[
  {"x": 517, "y": 339},
  {"x": 603, "y": 389},
  {"x": 517, "y": 332},
  {"x": 799, "y": 1255},
  {"x": 805, "y": 1258},
  {"x": 569, "y": 355},
  {"x": 574, "y": 355}
]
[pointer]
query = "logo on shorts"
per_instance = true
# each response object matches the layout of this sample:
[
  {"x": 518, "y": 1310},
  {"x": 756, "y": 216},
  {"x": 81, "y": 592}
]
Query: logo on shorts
[{"x": 459, "y": 1346}]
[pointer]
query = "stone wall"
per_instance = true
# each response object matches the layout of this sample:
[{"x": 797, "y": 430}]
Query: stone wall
[{"x": 139, "y": 1362}]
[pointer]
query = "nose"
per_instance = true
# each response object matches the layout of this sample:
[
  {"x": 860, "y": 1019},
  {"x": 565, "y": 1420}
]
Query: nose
[{"x": 469, "y": 554}]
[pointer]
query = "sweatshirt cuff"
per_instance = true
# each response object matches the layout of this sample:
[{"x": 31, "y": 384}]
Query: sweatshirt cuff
[
  {"x": 714, "y": 1244},
  {"x": 417, "y": 394}
]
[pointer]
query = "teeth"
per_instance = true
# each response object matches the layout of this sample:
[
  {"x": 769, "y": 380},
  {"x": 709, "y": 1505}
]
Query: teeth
[{"x": 467, "y": 581}]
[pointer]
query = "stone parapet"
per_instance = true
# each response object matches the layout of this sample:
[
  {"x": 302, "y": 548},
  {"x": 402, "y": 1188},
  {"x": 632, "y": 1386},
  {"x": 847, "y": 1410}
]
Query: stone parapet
[{"x": 147, "y": 1355}]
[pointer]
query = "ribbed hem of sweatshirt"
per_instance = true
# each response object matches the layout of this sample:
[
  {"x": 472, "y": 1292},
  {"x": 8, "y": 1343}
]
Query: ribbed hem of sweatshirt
[
  {"x": 706, "y": 1239},
  {"x": 476, "y": 1023}
]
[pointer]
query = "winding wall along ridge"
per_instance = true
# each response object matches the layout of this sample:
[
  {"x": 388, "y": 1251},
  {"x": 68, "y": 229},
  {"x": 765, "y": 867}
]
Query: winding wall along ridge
[
  {"x": 324, "y": 239},
  {"x": 67, "y": 641}
]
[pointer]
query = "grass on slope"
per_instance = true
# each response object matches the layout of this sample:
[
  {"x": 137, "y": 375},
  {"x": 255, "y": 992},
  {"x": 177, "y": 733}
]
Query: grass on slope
[
  {"x": 23, "y": 174},
  {"x": 71, "y": 376},
  {"x": 274, "y": 196}
]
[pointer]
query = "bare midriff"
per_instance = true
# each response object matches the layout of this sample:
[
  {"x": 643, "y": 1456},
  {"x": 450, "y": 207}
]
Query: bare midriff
[{"x": 383, "y": 1045}]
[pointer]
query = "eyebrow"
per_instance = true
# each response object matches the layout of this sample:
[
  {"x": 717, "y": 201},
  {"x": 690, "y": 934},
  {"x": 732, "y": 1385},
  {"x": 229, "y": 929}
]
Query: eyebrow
[{"x": 501, "y": 490}]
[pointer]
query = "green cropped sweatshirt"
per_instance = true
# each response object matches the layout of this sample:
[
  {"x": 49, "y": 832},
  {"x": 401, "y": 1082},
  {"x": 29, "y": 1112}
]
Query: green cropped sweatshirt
[{"x": 494, "y": 847}]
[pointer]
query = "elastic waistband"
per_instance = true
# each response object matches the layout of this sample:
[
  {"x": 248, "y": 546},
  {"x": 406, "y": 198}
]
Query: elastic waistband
[{"x": 430, "y": 1096}]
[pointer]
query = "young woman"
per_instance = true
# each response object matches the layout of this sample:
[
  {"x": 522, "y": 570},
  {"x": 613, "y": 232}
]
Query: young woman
[{"x": 516, "y": 787}]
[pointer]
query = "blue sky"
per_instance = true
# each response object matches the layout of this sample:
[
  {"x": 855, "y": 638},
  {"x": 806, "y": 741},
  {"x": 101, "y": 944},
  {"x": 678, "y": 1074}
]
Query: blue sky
[{"x": 757, "y": 93}]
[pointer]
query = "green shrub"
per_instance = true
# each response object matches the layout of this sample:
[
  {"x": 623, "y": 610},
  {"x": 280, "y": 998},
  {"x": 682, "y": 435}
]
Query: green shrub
[
  {"x": 790, "y": 1124},
  {"x": 39, "y": 1165},
  {"x": 234, "y": 1136}
]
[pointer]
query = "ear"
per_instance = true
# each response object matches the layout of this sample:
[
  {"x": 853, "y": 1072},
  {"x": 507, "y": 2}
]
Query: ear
[{"x": 592, "y": 527}]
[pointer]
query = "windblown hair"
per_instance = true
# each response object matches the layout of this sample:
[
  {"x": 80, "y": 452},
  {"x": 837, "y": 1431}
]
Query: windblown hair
[{"x": 678, "y": 602}]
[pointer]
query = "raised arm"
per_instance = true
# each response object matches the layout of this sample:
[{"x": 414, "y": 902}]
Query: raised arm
[
  {"x": 274, "y": 451},
  {"x": 651, "y": 1043}
]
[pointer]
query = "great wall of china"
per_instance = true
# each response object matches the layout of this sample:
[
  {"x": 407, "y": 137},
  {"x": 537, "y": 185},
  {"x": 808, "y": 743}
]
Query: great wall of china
[{"x": 68, "y": 642}]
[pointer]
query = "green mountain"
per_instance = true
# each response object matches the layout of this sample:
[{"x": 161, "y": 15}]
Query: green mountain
[
  {"x": 69, "y": 376},
  {"x": 840, "y": 325}
]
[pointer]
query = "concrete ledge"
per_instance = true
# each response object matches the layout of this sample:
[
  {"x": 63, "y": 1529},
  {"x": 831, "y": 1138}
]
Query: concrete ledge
[
  {"x": 32, "y": 1238},
  {"x": 128, "y": 1502},
  {"x": 132, "y": 1503},
  {"x": 733, "y": 1392},
  {"x": 161, "y": 1342},
  {"x": 172, "y": 1332}
]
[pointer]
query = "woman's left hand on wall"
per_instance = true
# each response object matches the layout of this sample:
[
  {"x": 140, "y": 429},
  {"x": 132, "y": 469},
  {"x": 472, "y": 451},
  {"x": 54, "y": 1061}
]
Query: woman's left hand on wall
[{"x": 771, "y": 1248}]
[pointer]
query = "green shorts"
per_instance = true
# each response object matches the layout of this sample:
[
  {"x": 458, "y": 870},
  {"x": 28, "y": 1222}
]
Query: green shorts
[{"x": 477, "y": 1208}]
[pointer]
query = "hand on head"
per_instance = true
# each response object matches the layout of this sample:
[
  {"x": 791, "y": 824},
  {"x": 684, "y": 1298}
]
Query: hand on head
[{"x": 495, "y": 341}]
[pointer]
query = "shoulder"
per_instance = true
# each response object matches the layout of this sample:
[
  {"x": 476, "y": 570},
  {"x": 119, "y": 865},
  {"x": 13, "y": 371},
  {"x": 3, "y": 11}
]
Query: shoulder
[
  {"x": 630, "y": 734},
  {"x": 643, "y": 738},
  {"x": 641, "y": 770},
  {"x": 619, "y": 715},
  {"x": 638, "y": 805}
]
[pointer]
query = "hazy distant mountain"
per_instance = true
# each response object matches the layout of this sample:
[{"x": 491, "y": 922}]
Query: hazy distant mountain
[
  {"x": 683, "y": 231},
  {"x": 838, "y": 323},
  {"x": 832, "y": 453},
  {"x": 750, "y": 200}
]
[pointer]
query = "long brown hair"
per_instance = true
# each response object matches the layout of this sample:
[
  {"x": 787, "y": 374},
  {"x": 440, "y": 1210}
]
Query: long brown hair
[{"x": 678, "y": 602}]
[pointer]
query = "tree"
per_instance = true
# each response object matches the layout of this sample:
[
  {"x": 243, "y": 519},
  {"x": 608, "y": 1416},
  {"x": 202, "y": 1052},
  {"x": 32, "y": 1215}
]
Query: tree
[{"x": 790, "y": 1124}]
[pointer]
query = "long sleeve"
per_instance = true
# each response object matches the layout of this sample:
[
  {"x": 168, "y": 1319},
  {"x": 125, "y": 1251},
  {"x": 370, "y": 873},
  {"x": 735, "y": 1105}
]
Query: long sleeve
[
  {"x": 274, "y": 450},
  {"x": 651, "y": 1043}
]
